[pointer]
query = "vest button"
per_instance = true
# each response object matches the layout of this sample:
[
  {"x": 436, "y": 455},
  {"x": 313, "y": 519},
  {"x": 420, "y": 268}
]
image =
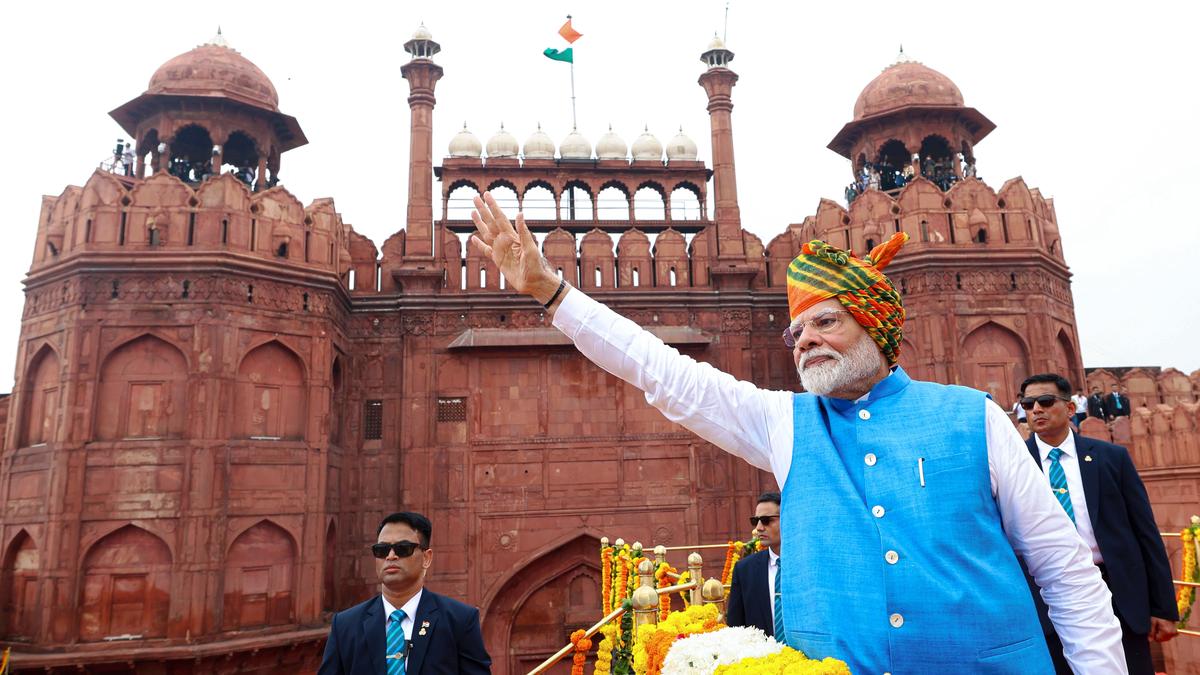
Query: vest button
[
  {"x": 896, "y": 620},
  {"x": 892, "y": 557},
  {"x": 877, "y": 511},
  {"x": 864, "y": 414},
  {"x": 870, "y": 459}
]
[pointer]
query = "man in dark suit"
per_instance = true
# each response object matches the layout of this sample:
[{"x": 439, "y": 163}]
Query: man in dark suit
[
  {"x": 1099, "y": 488},
  {"x": 754, "y": 586},
  {"x": 1096, "y": 404},
  {"x": 406, "y": 630},
  {"x": 1116, "y": 404}
]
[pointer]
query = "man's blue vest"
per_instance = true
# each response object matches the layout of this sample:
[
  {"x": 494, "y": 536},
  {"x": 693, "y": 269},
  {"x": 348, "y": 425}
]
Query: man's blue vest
[{"x": 894, "y": 559}]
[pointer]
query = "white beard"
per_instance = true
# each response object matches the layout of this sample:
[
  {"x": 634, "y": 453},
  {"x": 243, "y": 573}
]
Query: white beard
[{"x": 860, "y": 363}]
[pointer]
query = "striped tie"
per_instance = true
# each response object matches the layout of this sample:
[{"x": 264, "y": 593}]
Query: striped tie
[
  {"x": 1058, "y": 483},
  {"x": 395, "y": 644},
  {"x": 779, "y": 636}
]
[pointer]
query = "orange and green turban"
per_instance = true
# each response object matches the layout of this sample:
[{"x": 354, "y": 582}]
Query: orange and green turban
[{"x": 822, "y": 271}]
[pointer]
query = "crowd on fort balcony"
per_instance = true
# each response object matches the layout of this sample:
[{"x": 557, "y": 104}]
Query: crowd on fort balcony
[{"x": 886, "y": 176}]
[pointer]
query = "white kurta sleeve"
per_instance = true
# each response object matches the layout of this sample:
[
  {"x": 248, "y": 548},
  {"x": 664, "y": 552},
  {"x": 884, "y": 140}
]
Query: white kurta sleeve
[
  {"x": 752, "y": 423},
  {"x": 1079, "y": 602}
]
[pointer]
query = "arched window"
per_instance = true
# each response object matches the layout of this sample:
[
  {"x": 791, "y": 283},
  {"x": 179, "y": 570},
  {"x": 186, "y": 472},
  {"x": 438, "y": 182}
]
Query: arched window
[
  {"x": 18, "y": 588},
  {"x": 259, "y": 577},
  {"x": 506, "y": 197},
  {"x": 126, "y": 587},
  {"x": 613, "y": 203},
  {"x": 890, "y": 163},
  {"x": 143, "y": 391},
  {"x": 576, "y": 202},
  {"x": 685, "y": 204},
  {"x": 936, "y": 162},
  {"x": 649, "y": 204},
  {"x": 191, "y": 154},
  {"x": 461, "y": 201},
  {"x": 271, "y": 396},
  {"x": 240, "y": 157},
  {"x": 538, "y": 202},
  {"x": 40, "y": 392}
]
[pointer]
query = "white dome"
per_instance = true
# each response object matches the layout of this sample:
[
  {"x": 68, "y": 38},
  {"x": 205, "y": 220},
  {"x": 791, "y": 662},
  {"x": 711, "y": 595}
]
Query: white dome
[
  {"x": 538, "y": 146},
  {"x": 717, "y": 43},
  {"x": 465, "y": 144},
  {"x": 681, "y": 148},
  {"x": 611, "y": 146},
  {"x": 422, "y": 33},
  {"x": 503, "y": 144},
  {"x": 575, "y": 146},
  {"x": 646, "y": 147}
]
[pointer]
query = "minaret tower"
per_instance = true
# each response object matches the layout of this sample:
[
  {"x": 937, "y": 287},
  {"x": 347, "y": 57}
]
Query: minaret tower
[
  {"x": 718, "y": 83},
  {"x": 422, "y": 75}
]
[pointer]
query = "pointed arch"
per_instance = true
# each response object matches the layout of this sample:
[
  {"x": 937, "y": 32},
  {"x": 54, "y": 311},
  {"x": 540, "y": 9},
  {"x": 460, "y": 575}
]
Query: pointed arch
[
  {"x": 142, "y": 391},
  {"x": 260, "y": 570},
  {"x": 126, "y": 586},
  {"x": 272, "y": 399},
  {"x": 995, "y": 360},
  {"x": 19, "y": 588},
  {"x": 40, "y": 395},
  {"x": 533, "y": 611}
]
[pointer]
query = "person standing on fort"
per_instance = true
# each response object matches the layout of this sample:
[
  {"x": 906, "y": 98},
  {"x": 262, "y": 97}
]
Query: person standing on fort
[
  {"x": 1116, "y": 404},
  {"x": 899, "y": 539},
  {"x": 1081, "y": 404},
  {"x": 1099, "y": 488},
  {"x": 1096, "y": 404},
  {"x": 754, "y": 591}
]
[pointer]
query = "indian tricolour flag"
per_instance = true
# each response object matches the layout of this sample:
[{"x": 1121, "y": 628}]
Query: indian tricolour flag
[{"x": 569, "y": 34}]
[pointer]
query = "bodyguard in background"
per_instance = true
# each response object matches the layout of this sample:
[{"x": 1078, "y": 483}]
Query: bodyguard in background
[
  {"x": 754, "y": 588},
  {"x": 406, "y": 630},
  {"x": 1100, "y": 490}
]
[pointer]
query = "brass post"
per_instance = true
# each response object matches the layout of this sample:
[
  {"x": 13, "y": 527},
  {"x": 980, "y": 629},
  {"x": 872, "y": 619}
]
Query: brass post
[
  {"x": 714, "y": 594},
  {"x": 695, "y": 570}
]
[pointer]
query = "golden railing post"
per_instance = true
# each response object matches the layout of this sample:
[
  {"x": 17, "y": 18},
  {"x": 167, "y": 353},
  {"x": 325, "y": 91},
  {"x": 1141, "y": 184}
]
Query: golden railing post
[
  {"x": 695, "y": 569},
  {"x": 714, "y": 594},
  {"x": 645, "y": 598},
  {"x": 660, "y": 554}
]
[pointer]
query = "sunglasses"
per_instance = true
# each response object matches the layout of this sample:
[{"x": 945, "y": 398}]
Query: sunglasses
[
  {"x": 403, "y": 549},
  {"x": 1045, "y": 400},
  {"x": 765, "y": 520}
]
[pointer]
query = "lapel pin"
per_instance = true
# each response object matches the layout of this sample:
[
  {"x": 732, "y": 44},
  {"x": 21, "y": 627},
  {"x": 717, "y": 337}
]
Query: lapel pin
[
  {"x": 422, "y": 632},
  {"x": 424, "y": 624},
  {"x": 1087, "y": 458}
]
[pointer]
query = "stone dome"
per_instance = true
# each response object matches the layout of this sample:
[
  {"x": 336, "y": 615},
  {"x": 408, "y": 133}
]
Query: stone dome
[
  {"x": 903, "y": 84},
  {"x": 647, "y": 147},
  {"x": 611, "y": 146},
  {"x": 575, "y": 146},
  {"x": 465, "y": 144},
  {"x": 214, "y": 69},
  {"x": 421, "y": 33},
  {"x": 503, "y": 144},
  {"x": 538, "y": 145},
  {"x": 682, "y": 148}
]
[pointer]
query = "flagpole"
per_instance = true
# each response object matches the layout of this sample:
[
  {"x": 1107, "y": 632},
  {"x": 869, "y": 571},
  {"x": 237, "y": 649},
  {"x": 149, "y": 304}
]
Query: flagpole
[{"x": 574, "y": 123}]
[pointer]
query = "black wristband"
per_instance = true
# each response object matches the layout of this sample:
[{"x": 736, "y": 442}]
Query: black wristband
[{"x": 561, "y": 285}]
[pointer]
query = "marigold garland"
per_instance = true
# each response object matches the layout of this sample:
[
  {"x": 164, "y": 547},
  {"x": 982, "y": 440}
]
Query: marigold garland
[
  {"x": 604, "y": 651},
  {"x": 654, "y": 640},
  {"x": 733, "y": 553},
  {"x": 787, "y": 662},
  {"x": 685, "y": 577},
  {"x": 582, "y": 645},
  {"x": 1185, "y": 596},
  {"x": 663, "y": 579},
  {"x": 606, "y": 571}
]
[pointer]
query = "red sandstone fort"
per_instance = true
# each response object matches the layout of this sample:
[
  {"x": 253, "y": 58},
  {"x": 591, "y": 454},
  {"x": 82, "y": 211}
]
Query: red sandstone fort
[{"x": 221, "y": 390}]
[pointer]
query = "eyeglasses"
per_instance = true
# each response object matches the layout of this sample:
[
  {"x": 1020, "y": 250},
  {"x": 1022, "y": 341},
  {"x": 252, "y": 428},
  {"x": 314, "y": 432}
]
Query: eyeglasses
[
  {"x": 765, "y": 520},
  {"x": 1045, "y": 400},
  {"x": 403, "y": 549},
  {"x": 823, "y": 323}
]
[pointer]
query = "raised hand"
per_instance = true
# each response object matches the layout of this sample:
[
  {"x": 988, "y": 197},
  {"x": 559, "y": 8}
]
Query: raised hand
[{"x": 513, "y": 249}]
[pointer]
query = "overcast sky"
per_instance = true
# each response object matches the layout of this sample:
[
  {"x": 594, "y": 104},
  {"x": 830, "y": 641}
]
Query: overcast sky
[{"x": 1096, "y": 107}]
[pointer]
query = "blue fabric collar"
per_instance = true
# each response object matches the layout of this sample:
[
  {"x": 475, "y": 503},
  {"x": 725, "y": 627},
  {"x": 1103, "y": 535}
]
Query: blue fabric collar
[{"x": 894, "y": 383}]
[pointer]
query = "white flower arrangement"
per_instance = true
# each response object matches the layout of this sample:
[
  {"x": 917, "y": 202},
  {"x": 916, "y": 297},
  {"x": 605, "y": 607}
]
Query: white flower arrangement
[{"x": 700, "y": 654}]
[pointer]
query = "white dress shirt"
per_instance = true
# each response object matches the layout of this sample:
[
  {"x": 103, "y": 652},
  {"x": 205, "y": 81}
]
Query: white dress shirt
[
  {"x": 756, "y": 425},
  {"x": 1070, "y": 464},
  {"x": 410, "y": 614},
  {"x": 772, "y": 568}
]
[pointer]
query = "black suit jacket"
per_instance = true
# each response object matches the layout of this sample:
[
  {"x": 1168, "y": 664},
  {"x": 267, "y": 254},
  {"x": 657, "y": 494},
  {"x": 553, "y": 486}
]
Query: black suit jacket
[
  {"x": 1110, "y": 405},
  {"x": 1139, "y": 573},
  {"x": 750, "y": 602},
  {"x": 1095, "y": 406},
  {"x": 452, "y": 643}
]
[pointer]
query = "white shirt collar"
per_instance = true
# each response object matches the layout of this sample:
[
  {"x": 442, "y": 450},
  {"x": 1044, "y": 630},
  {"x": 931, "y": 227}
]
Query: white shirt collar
[
  {"x": 1067, "y": 446},
  {"x": 410, "y": 607},
  {"x": 774, "y": 557}
]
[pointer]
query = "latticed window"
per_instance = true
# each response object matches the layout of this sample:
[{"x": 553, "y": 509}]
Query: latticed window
[
  {"x": 373, "y": 420},
  {"x": 452, "y": 410}
]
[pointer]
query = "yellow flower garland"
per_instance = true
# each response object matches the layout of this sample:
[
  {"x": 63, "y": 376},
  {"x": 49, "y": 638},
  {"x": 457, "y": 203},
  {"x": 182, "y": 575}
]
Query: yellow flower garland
[
  {"x": 652, "y": 641},
  {"x": 787, "y": 662},
  {"x": 1185, "y": 596}
]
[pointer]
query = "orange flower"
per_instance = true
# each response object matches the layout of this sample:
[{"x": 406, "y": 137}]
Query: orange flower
[{"x": 582, "y": 645}]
